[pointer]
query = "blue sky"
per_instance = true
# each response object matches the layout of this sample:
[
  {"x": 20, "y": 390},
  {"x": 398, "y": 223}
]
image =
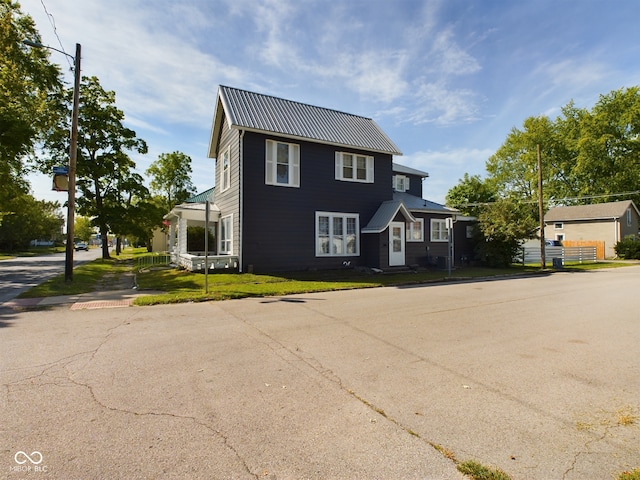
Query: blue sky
[{"x": 445, "y": 79}]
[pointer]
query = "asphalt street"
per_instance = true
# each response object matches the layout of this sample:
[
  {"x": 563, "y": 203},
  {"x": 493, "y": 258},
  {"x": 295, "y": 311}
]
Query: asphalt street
[
  {"x": 21, "y": 273},
  {"x": 538, "y": 376}
]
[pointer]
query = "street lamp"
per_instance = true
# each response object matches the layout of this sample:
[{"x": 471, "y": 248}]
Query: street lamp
[{"x": 73, "y": 152}]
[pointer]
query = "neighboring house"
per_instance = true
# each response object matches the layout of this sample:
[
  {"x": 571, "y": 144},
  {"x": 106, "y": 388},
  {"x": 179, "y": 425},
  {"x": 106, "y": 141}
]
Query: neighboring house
[
  {"x": 600, "y": 222},
  {"x": 302, "y": 187}
]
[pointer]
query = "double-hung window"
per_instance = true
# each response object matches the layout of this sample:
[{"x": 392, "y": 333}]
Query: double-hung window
[
  {"x": 226, "y": 169},
  {"x": 439, "y": 230},
  {"x": 400, "y": 183},
  {"x": 354, "y": 168},
  {"x": 337, "y": 234},
  {"x": 415, "y": 231},
  {"x": 226, "y": 235},
  {"x": 282, "y": 164}
]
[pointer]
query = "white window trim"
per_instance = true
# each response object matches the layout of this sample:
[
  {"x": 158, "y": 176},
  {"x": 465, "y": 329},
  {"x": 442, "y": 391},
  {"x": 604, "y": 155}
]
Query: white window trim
[
  {"x": 411, "y": 227},
  {"x": 331, "y": 216},
  {"x": 271, "y": 164},
  {"x": 340, "y": 170},
  {"x": 225, "y": 175},
  {"x": 400, "y": 183},
  {"x": 221, "y": 250},
  {"x": 558, "y": 226},
  {"x": 443, "y": 230}
]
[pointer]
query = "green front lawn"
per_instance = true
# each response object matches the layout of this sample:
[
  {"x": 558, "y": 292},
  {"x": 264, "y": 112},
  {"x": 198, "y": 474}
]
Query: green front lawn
[
  {"x": 174, "y": 286},
  {"x": 183, "y": 286}
]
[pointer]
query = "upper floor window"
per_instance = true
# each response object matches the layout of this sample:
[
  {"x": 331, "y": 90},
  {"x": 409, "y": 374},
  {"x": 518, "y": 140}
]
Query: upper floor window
[
  {"x": 415, "y": 231},
  {"x": 354, "y": 168},
  {"x": 439, "y": 230},
  {"x": 400, "y": 183},
  {"x": 628, "y": 217},
  {"x": 558, "y": 225},
  {"x": 282, "y": 165},
  {"x": 226, "y": 169}
]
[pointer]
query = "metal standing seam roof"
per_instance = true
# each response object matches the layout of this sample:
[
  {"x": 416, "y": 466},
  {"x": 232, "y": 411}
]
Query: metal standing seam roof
[
  {"x": 264, "y": 113},
  {"x": 202, "y": 197},
  {"x": 385, "y": 214},
  {"x": 408, "y": 170},
  {"x": 417, "y": 204},
  {"x": 596, "y": 211}
]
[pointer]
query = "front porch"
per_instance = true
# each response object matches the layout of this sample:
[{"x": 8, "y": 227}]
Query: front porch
[{"x": 194, "y": 214}]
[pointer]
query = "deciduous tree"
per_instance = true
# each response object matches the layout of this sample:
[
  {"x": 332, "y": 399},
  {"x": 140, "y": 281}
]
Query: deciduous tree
[
  {"x": 105, "y": 171},
  {"x": 171, "y": 178}
]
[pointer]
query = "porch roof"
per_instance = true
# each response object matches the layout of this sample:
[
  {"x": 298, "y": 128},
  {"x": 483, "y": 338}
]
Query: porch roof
[
  {"x": 385, "y": 214},
  {"x": 194, "y": 211}
]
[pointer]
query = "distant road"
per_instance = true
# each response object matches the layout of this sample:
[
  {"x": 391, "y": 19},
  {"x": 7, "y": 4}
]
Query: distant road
[{"x": 22, "y": 273}]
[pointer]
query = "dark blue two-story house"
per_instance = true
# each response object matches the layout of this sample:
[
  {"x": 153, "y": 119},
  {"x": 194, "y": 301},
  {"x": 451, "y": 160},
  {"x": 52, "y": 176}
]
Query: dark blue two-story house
[{"x": 303, "y": 187}]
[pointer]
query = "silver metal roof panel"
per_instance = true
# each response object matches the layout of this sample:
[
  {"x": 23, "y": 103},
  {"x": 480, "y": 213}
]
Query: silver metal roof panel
[{"x": 264, "y": 113}]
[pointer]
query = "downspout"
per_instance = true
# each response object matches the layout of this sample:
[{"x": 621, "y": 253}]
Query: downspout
[{"x": 241, "y": 199}]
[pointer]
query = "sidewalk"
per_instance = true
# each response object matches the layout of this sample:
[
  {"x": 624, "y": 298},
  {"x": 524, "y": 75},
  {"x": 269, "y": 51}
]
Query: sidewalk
[{"x": 84, "y": 301}]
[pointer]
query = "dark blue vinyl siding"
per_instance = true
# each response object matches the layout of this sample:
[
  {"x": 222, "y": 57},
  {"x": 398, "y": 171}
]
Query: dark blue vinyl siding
[
  {"x": 279, "y": 222},
  {"x": 415, "y": 185}
]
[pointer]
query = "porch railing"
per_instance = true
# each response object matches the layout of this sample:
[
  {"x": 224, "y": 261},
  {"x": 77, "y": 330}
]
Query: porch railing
[
  {"x": 196, "y": 261},
  {"x": 151, "y": 260}
]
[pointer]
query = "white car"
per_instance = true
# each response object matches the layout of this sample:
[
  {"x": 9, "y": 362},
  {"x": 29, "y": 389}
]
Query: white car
[{"x": 82, "y": 246}]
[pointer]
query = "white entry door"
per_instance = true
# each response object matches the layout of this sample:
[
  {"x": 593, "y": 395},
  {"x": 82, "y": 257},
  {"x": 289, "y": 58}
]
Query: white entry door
[{"x": 396, "y": 244}]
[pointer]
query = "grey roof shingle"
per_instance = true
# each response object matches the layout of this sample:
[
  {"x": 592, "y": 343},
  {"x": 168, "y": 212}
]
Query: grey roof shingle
[
  {"x": 264, "y": 113},
  {"x": 597, "y": 211}
]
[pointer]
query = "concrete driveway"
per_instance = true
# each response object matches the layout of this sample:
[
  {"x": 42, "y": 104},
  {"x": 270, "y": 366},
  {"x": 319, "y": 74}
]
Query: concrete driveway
[{"x": 539, "y": 377}]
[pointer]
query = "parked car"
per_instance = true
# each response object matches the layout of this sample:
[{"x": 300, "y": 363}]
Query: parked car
[
  {"x": 82, "y": 246},
  {"x": 553, "y": 243}
]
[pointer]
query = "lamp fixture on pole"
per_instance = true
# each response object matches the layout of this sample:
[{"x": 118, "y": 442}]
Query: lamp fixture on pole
[{"x": 73, "y": 153}]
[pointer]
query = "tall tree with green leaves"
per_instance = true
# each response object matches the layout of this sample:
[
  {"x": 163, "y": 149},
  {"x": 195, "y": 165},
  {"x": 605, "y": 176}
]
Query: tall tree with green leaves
[
  {"x": 27, "y": 78},
  {"x": 470, "y": 195},
  {"x": 83, "y": 228},
  {"x": 105, "y": 171},
  {"x": 28, "y": 81},
  {"x": 29, "y": 219},
  {"x": 171, "y": 178},
  {"x": 608, "y": 148}
]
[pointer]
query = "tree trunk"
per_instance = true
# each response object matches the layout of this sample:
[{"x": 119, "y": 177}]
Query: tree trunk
[{"x": 105, "y": 242}]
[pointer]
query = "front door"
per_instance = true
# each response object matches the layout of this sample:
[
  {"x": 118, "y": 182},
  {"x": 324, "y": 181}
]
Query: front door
[{"x": 396, "y": 244}]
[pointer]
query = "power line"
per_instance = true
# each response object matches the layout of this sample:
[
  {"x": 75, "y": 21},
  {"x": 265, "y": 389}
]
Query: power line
[
  {"x": 559, "y": 200},
  {"x": 52, "y": 21}
]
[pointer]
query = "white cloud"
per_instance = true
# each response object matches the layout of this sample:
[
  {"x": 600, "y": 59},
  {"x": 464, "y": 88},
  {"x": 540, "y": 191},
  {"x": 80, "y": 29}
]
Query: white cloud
[{"x": 446, "y": 168}]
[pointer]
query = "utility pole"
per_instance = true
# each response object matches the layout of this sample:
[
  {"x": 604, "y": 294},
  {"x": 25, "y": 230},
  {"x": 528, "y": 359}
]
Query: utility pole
[
  {"x": 543, "y": 260},
  {"x": 73, "y": 155}
]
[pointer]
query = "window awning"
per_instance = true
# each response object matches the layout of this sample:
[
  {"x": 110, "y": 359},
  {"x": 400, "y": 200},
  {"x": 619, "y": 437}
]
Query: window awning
[{"x": 385, "y": 214}]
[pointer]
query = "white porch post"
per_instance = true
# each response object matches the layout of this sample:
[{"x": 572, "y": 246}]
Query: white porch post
[
  {"x": 172, "y": 237},
  {"x": 182, "y": 235}
]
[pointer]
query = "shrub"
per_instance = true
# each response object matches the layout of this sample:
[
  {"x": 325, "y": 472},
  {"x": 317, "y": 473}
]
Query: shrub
[{"x": 628, "y": 248}]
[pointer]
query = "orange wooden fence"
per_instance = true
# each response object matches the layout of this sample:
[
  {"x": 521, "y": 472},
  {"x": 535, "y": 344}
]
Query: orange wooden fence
[{"x": 587, "y": 243}]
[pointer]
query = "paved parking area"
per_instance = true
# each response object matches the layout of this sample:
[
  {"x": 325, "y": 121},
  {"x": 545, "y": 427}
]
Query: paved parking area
[{"x": 537, "y": 376}]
